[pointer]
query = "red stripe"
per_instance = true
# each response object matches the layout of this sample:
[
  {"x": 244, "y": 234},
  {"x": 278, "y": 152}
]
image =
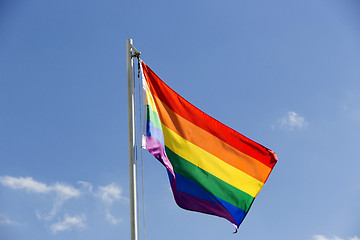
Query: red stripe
[{"x": 191, "y": 113}]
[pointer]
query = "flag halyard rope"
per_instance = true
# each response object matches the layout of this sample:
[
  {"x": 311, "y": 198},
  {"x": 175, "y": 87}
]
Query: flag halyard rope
[{"x": 138, "y": 107}]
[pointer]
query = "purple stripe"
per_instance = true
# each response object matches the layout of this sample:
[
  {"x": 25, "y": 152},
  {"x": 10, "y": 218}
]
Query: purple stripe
[
  {"x": 185, "y": 185},
  {"x": 192, "y": 203},
  {"x": 185, "y": 200},
  {"x": 157, "y": 149}
]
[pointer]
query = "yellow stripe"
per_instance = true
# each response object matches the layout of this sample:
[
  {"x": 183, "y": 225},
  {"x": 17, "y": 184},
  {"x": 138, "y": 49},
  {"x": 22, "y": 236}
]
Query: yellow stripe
[
  {"x": 149, "y": 98},
  {"x": 211, "y": 143},
  {"x": 213, "y": 165}
]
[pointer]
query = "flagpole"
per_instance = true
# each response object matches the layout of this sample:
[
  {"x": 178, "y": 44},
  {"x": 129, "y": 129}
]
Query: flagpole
[{"x": 132, "y": 167}]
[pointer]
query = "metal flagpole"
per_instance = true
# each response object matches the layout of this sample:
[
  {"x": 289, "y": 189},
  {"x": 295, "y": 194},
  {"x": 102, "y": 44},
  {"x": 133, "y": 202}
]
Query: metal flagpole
[{"x": 131, "y": 52}]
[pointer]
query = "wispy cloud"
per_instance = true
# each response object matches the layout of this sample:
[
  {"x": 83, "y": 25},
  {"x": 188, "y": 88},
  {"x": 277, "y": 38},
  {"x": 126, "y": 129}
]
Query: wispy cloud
[
  {"x": 322, "y": 237},
  {"x": 30, "y": 185},
  {"x": 88, "y": 186},
  {"x": 110, "y": 218},
  {"x": 60, "y": 193},
  {"x": 69, "y": 223},
  {"x": 350, "y": 104},
  {"x": 26, "y": 183},
  {"x": 110, "y": 193},
  {"x": 292, "y": 121},
  {"x": 6, "y": 221},
  {"x": 63, "y": 192}
]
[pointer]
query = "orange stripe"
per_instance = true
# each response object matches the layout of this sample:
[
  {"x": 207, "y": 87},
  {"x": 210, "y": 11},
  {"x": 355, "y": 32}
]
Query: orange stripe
[
  {"x": 211, "y": 144},
  {"x": 191, "y": 113}
]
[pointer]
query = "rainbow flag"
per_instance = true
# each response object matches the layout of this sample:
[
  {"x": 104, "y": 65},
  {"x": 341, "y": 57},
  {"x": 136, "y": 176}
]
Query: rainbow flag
[{"x": 212, "y": 168}]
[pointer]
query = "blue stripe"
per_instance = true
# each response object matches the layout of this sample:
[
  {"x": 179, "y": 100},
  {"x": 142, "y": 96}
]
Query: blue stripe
[
  {"x": 154, "y": 132},
  {"x": 185, "y": 185}
]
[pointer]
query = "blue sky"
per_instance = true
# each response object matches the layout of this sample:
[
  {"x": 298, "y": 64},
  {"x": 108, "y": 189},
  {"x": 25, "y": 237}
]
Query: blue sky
[{"x": 284, "y": 73}]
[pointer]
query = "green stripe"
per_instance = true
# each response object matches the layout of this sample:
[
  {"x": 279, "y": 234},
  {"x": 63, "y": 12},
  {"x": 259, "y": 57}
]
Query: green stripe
[
  {"x": 153, "y": 117},
  {"x": 209, "y": 182}
]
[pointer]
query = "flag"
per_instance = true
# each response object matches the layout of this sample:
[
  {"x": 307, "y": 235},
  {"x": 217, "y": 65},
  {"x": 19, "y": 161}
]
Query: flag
[{"x": 212, "y": 168}]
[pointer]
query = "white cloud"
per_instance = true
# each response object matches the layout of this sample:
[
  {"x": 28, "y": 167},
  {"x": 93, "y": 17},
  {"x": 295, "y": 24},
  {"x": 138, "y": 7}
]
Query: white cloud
[
  {"x": 354, "y": 238},
  {"x": 27, "y": 184},
  {"x": 112, "y": 219},
  {"x": 293, "y": 121},
  {"x": 65, "y": 191},
  {"x": 6, "y": 221},
  {"x": 319, "y": 237},
  {"x": 30, "y": 185},
  {"x": 54, "y": 210},
  {"x": 350, "y": 104},
  {"x": 68, "y": 223},
  {"x": 110, "y": 193},
  {"x": 62, "y": 191},
  {"x": 88, "y": 186},
  {"x": 322, "y": 237}
]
